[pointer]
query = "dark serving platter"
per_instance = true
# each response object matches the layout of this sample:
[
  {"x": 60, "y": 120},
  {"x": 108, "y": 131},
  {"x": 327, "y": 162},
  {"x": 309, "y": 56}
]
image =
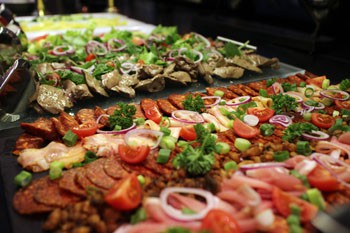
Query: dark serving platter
[{"x": 14, "y": 223}]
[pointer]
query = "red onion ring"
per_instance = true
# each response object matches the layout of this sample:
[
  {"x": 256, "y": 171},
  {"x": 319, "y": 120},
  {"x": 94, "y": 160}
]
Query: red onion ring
[
  {"x": 217, "y": 101},
  {"x": 281, "y": 119},
  {"x": 127, "y": 67},
  {"x": 63, "y": 50},
  {"x": 177, "y": 214},
  {"x": 320, "y": 106},
  {"x": 194, "y": 116},
  {"x": 199, "y": 54},
  {"x": 251, "y": 120},
  {"x": 80, "y": 70},
  {"x": 112, "y": 41},
  {"x": 325, "y": 94},
  {"x": 321, "y": 135},
  {"x": 237, "y": 101},
  {"x": 331, "y": 164},
  {"x": 277, "y": 88},
  {"x": 295, "y": 95},
  {"x": 95, "y": 47},
  {"x": 202, "y": 38},
  {"x": 139, "y": 132},
  {"x": 253, "y": 166}
]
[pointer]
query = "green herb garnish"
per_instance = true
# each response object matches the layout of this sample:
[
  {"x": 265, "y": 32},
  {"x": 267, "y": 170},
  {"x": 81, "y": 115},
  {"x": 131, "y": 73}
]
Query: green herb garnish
[
  {"x": 295, "y": 130},
  {"x": 194, "y": 104},
  {"x": 283, "y": 103},
  {"x": 122, "y": 117}
]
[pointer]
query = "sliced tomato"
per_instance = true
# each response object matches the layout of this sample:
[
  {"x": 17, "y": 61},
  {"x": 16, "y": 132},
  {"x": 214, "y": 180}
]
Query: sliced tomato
[
  {"x": 90, "y": 57},
  {"x": 323, "y": 121},
  {"x": 322, "y": 179},
  {"x": 133, "y": 154},
  {"x": 86, "y": 129},
  {"x": 151, "y": 110},
  {"x": 136, "y": 40},
  {"x": 243, "y": 130},
  {"x": 316, "y": 81},
  {"x": 219, "y": 221},
  {"x": 264, "y": 114},
  {"x": 342, "y": 104},
  {"x": 126, "y": 194},
  {"x": 188, "y": 133},
  {"x": 39, "y": 38},
  {"x": 283, "y": 201}
]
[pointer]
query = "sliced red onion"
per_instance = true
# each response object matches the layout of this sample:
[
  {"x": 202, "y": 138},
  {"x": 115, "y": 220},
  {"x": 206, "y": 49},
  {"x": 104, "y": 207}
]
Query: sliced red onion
[
  {"x": 199, "y": 54},
  {"x": 157, "y": 38},
  {"x": 320, "y": 106},
  {"x": 239, "y": 100},
  {"x": 281, "y": 119},
  {"x": 77, "y": 69},
  {"x": 95, "y": 47},
  {"x": 143, "y": 132},
  {"x": 295, "y": 95},
  {"x": 315, "y": 135},
  {"x": 277, "y": 88},
  {"x": 202, "y": 38},
  {"x": 251, "y": 120},
  {"x": 338, "y": 168},
  {"x": 214, "y": 51},
  {"x": 63, "y": 50},
  {"x": 176, "y": 213},
  {"x": 172, "y": 53},
  {"x": 127, "y": 67},
  {"x": 216, "y": 102},
  {"x": 332, "y": 94},
  {"x": 188, "y": 117},
  {"x": 111, "y": 47},
  {"x": 305, "y": 166},
  {"x": 253, "y": 166},
  {"x": 123, "y": 131}
]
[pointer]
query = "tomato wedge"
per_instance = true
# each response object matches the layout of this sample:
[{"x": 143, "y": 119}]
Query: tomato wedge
[
  {"x": 264, "y": 114},
  {"x": 219, "y": 221},
  {"x": 133, "y": 154},
  {"x": 316, "y": 81},
  {"x": 243, "y": 130},
  {"x": 188, "y": 133},
  {"x": 323, "y": 121},
  {"x": 86, "y": 129},
  {"x": 126, "y": 194},
  {"x": 39, "y": 38},
  {"x": 322, "y": 179},
  {"x": 342, "y": 104},
  {"x": 90, "y": 57},
  {"x": 282, "y": 201}
]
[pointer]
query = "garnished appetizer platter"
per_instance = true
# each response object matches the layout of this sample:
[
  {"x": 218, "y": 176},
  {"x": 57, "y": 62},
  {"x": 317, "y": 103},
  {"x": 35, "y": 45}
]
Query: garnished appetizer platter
[{"x": 265, "y": 156}]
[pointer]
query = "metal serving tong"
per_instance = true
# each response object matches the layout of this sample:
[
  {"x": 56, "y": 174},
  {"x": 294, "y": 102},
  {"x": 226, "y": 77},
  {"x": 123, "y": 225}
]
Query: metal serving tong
[{"x": 335, "y": 221}]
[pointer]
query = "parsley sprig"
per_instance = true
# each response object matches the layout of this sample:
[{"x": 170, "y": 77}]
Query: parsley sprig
[
  {"x": 283, "y": 103},
  {"x": 295, "y": 130},
  {"x": 122, "y": 117},
  {"x": 194, "y": 104}
]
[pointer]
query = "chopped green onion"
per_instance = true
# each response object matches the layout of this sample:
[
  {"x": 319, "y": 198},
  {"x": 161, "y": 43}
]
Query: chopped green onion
[
  {"x": 117, "y": 128},
  {"x": 139, "y": 121},
  {"x": 294, "y": 228},
  {"x": 89, "y": 157},
  {"x": 23, "y": 178},
  {"x": 327, "y": 101},
  {"x": 345, "y": 112},
  {"x": 70, "y": 138},
  {"x": 182, "y": 143},
  {"x": 303, "y": 148},
  {"x": 325, "y": 83},
  {"x": 168, "y": 142},
  {"x": 302, "y": 84},
  {"x": 56, "y": 168},
  {"x": 335, "y": 113},
  {"x": 165, "y": 122},
  {"x": 141, "y": 179},
  {"x": 315, "y": 197},
  {"x": 232, "y": 165},
  {"x": 224, "y": 111},
  {"x": 139, "y": 216},
  {"x": 163, "y": 156},
  {"x": 186, "y": 210},
  {"x": 309, "y": 91},
  {"x": 79, "y": 164},
  {"x": 222, "y": 102},
  {"x": 321, "y": 111},
  {"x": 307, "y": 116},
  {"x": 166, "y": 131},
  {"x": 263, "y": 93},
  {"x": 222, "y": 148},
  {"x": 301, "y": 177},
  {"x": 242, "y": 144},
  {"x": 281, "y": 156},
  {"x": 210, "y": 127},
  {"x": 267, "y": 129},
  {"x": 219, "y": 93}
]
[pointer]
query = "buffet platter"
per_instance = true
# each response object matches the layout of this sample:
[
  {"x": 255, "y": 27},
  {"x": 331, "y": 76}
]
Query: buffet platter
[{"x": 264, "y": 151}]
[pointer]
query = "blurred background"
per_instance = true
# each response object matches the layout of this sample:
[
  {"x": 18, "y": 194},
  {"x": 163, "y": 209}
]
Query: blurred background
[{"x": 310, "y": 34}]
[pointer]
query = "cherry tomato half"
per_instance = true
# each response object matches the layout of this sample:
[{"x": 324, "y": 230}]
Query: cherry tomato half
[
  {"x": 90, "y": 57},
  {"x": 264, "y": 114},
  {"x": 243, "y": 130},
  {"x": 86, "y": 129},
  {"x": 188, "y": 133},
  {"x": 323, "y": 121},
  {"x": 219, "y": 221},
  {"x": 126, "y": 194},
  {"x": 316, "y": 81},
  {"x": 133, "y": 154},
  {"x": 342, "y": 104},
  {"x": 320, "y": 178}
]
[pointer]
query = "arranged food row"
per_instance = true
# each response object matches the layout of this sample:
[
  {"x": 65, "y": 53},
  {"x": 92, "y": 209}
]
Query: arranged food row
[
  {"x": 258, "y": 157},
  {"x": 77, "y": 65}
]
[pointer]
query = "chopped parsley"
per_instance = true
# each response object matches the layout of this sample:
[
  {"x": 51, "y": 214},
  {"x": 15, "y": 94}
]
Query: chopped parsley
[
  {"x": 283, "y": 103},
  {"x": 289, "y": 86},
  {"x": 122, "y": 117},
  {"x": 270, "y": 81},
  {"x": 345, "y": 85},
  {"x": 194, "y": 104},
  {"x": 295, "y": 130}
]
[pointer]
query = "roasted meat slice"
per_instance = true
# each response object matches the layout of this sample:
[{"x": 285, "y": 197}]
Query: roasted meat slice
[
  {"x": 176, "y": 100},
  {"x": 42, "y": 127},
  {"x": 229, "y": 72},
  {"x": 248, "y": 90},
  {"x": 64, "y": 123},
  {"x": 236, "y": 89},
  {"x": 85, "y": 115},
  {"x": 227, "y": 93},
  {"x": 165, "y": 106},
  {"x": 26, "y": 141}
]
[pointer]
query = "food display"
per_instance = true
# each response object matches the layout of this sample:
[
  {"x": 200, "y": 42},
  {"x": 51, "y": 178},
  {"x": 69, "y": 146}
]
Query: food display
[
  {"x": 79, "y": 65},
  {"x": 264, "y": 156}
]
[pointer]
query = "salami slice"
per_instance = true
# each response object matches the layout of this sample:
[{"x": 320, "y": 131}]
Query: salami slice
[
  {"x": 49, "y": 193},
  {"x": 113, "y": 168},
  {"x": 96, "y": 174},
  {"x": 24, "y": 202},
  {"x": 67, "y": 182},
  {"x": 151, "y": 164},
  {"x": 165, "y": 106},
  {"x": 138, "y": 168},
  {"x": 26, "y": 141},
  {"x": 82, "y": 180},
  {"x": 176, "y": 100}
]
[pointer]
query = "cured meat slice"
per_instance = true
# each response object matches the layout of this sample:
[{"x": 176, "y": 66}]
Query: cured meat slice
[
  {"x": 67, "y": 182},
  {"x": 85, "y": 115},
  {"x": 96, "y": 174},
  {"x": 165, "y": 106},
  {"x": 42, "y": 127},
  {"x": 248, "y": 90},
  {"x": 64, "y": 123},
  {"x": 82, "y": 180},
  {"x": 176, "y": 100},
  {"x": 49, "y": 193},
  {"x": 26, "y": 141},
  {"x": 139, "y": 168},
  {"x": 237, "y": 90},
  {"x": 113, "y": 168},
  {"x": 24, "y": 202}
]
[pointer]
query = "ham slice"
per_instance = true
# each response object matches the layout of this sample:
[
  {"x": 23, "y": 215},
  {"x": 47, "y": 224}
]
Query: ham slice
[{"x": 104, "y": 145}]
